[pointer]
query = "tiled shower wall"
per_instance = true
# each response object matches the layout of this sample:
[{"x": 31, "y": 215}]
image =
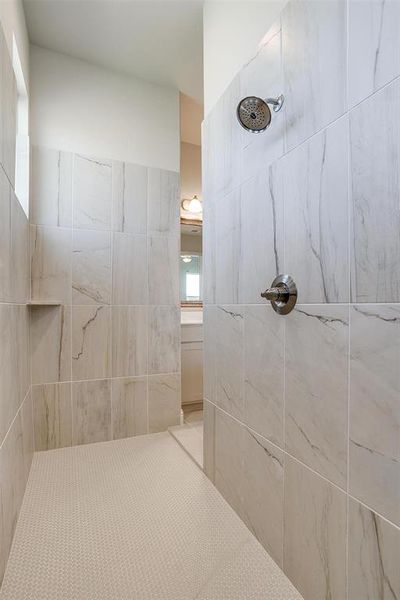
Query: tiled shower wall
[
  {"x": 105, "y": 246},
  {"x": 16, "y": 423},
  {"x": 302, "y": 419}
]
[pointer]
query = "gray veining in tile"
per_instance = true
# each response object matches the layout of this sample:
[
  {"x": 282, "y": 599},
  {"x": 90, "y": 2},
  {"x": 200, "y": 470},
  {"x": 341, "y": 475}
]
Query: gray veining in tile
[
  {"x": 164, "y": 401},
  {"x": 51, "y": 187},
  {"x": 164, "y": 339},
  {"x": 129, "y": 406},
  {"x": 129, "y": 198},
  {"x": 52, "y": 415},
  {"x": 374, "y": 546},
  {"x": 228, "y": 248},
  {"x": 91, "y": 347},
  {"x": 314, "y": 66},
  {"x": 163, "y": 202},
  {"x": 314, "y": 534},
  {"x": 374, "y": 46},
  {"x": 91, "y": 267},
  {"x": 163, "y": 270},
  {"x": 316, "y": 216},
  {"x": 375, "y": 407},
  {"x": 51, "y": 263},
  {"x": 91, "y": 411},
  {"x": 92, "y": 193},
  {"x": 129, "y": 340},
  {"x": 130, "y": 269},
  {"x": 50, "y": 339},
  {"x": 316, "y": 388},
  {"x": 375, "y": 163}
]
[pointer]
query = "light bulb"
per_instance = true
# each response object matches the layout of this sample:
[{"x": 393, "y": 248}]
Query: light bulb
[{"x": 195, "y": 205}]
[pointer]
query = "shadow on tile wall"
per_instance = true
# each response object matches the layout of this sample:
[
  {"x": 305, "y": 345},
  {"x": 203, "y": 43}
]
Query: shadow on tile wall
[
  {"x": 105, "y": 246},
  {"x": 302, "y": 419}
]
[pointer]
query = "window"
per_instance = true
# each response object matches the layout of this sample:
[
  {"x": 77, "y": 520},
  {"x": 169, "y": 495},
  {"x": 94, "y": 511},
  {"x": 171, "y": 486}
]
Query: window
[{"x": 22, "y": 134}]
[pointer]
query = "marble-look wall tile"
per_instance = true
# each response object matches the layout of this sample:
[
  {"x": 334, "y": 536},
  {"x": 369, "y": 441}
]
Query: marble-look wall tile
[
  {"x": 209, "y": 439},
  {"x": 209, "y": 251},
  {"x": 163, "y": 270},
  {"x": 374, "y": 46},
  {"x": 129, "y": 407},
  {"x": 232, "y": 138},
  {"x": 316, "y": 388},
  {"x": 92, "y": 193},
  {"x": 91, "y": 342},
  {"x": 8, "y": 113},
  {"x": 314, "y": 534},
  {"x": 229, "y": 357},
  {"x": 19, "y": 258},
  {"x": 51, "y": 187},
  {"x": 51, "y": 264},
  {"x": 314, "y": 66},
  {"x": 27, "y": 433},
  {"x": 14, "y": 362},
  {"x": 129, "y": 198},
  {"x": 91, "y": 267},
  {"x": 209, "y": 352},
  {"x": 375, "y": 162},
  {"x": 130, "y": 269},
  {"x": 213, "y": 155},
  {"x": 258, "y": 151},
  {"x": 375, "y": 407},
  {"x": 12, "y": 485},
  {"x": 264, "y": 331},
  {"x": 50, "y": 340},
  {"x": 374, "y": 547},
  {"x": 316, "y": 216},
  {"x": 164, "y": 401},
  {"x": 164, "y": 339},
  {"x": 91, "y": 411},
  {"x": 5, "y": 237},
  {"x": 52, "y": 410},
  {"x": 261, "y": 231},
  {"x": 163, "y": 202},
  {"x": 228, "y": 251},
  {"x": 129, "y": 340},
  {"x": 263, "y": 492}
]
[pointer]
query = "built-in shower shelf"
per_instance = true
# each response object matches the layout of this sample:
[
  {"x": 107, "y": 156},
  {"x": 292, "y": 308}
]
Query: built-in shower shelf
[{"x": 43, "y": 303}]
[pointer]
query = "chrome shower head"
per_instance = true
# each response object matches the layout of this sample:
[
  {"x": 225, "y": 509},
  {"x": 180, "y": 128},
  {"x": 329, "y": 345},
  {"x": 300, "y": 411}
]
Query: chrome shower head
[{"x": 254, "y": 114}]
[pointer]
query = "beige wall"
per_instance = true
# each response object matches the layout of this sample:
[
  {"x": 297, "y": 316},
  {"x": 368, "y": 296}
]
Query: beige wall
[
  {"x": 191, "y": 243},
  {"x": 16, "y": 425},
  {"x": 190, "y": 170}
]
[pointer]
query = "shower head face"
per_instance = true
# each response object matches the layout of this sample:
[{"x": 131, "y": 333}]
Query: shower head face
[{"x": 253, "y": 114}]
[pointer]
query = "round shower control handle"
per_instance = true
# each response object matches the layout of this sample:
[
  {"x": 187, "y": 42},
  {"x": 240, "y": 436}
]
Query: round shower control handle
[{"x": 282, "y": 294}]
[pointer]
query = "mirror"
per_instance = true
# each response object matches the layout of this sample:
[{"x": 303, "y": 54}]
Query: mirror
[{"x": 190, "y": 264}]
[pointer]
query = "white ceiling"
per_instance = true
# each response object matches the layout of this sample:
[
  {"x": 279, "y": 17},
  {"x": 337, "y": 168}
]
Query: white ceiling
[{"x": 157, "y": 40}]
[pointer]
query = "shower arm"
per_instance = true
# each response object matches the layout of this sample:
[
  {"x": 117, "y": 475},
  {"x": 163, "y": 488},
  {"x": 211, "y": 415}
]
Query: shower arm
[{"x": 275, "y": 102}]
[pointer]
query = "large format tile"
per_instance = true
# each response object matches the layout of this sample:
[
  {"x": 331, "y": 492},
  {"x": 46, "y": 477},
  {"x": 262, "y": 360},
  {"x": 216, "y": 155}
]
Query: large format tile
[
  {"x": 164, "y": 401},
  {"x": 52, "y": 411},
  {"x": 129, "y": 340},
  {"x": 316, "y": 388},
  {"x": 209, "y": 241},
  {"x": 91, "y": 267},
  {"x": 164, "y": 339},
  {"x": 130, "y": 269},
  {"x": 258, "y": 151},
  {"x": 14, "y": 362},
  {"x": 91, "y": 342},
  {"x": 374, "y": 546},
  {"x": 375, "y": 162},
  {"x": 374, "y": 46},
  {"x": 209, "y": 439},
  {"x": 92, "y": 193},
  {"x": 8, "y": 113},
  {"x": 91, "y": 411},
  {"x": 5, "y": 237},
  {"x": 129, "y": 198},
  {"x": 163, "y": 202},
  {"x": 51, "y": 187},
  {"x": 209, "y": 352},
  {"x": 261, "y": 233},
  {"x": 229, "y": 359},
  {"x": 50, "y": 340},
  {"x": 27, "y": 433},
  {"x": 316, "y": 216},
  {"x": 264, "y": 371},
  {"x": 51, "y": 264},
  {"x": 314, "y": 534},
  {"x": 228, "y": 248},
  {"x": 314, "y": 66},
  {"x": 129, "y": 406},
  {"x": 19, "y": 258},
  {"x": 163, "y": 270},
  {"x": 375, "y": 407}
]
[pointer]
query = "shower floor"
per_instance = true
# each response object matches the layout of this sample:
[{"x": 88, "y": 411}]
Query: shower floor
[{"x": 133, "y": 519}]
